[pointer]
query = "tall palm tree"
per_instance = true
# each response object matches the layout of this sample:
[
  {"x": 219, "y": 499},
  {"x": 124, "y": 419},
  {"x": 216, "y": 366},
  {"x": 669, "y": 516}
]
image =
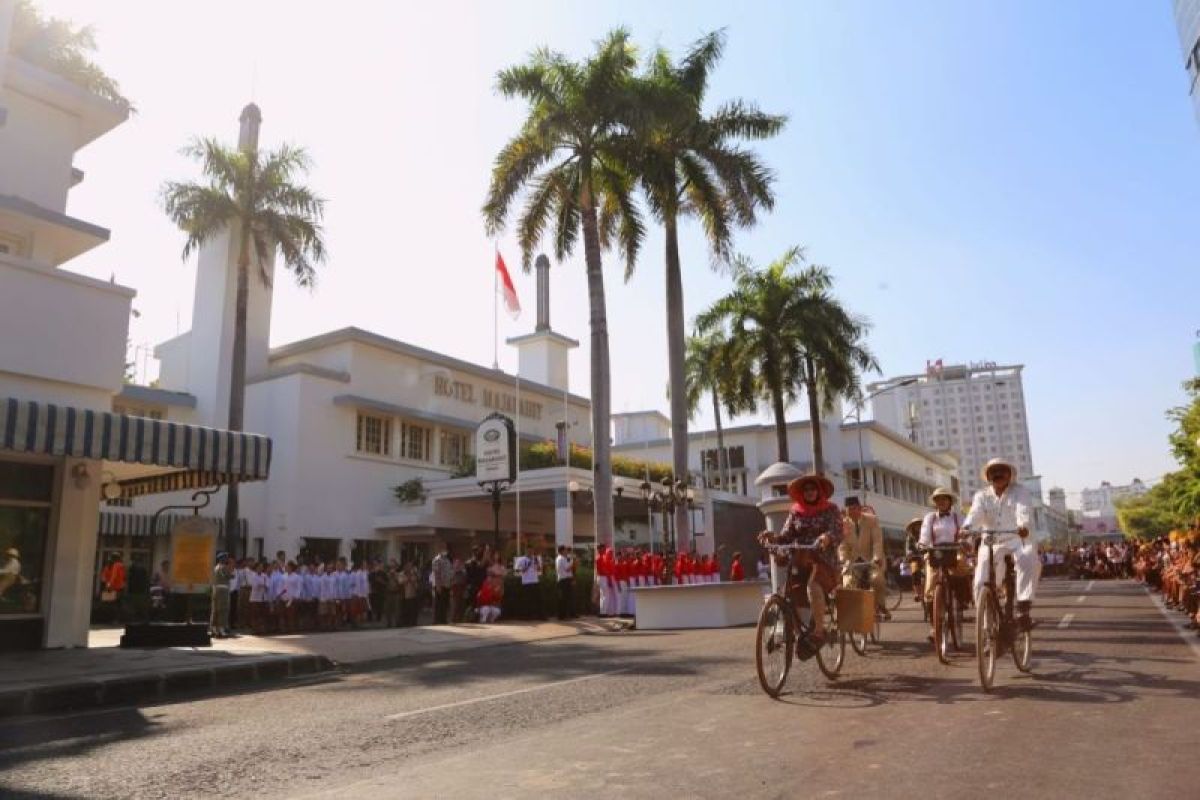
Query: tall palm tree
[
  {"x": 690, "y": 164},
  {"x": 258, "y": 198},
  {"x": 571, "y": 158},
  {"x": 710, "y": 366},
  {"x": 833, "y": 357},
  {"x": 759, "y": 316}
]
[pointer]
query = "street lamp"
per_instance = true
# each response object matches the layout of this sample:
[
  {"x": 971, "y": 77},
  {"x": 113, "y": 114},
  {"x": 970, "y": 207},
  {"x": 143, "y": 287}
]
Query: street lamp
[
  {"x": 858, "y": 407},
  {"x": 671, "y": 495}
]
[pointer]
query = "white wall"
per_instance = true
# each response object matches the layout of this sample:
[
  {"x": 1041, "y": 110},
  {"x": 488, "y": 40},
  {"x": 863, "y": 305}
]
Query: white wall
[
  {"x": 37, "y": 145},
  {"x": 62, "y": 327}
]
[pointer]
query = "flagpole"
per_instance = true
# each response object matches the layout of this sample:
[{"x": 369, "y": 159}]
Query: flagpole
[{"x": 496, "y": 309}]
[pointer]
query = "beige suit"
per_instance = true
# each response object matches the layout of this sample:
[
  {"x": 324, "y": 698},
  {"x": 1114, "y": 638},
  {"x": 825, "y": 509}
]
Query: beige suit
[{"x": 864, "y": 540}]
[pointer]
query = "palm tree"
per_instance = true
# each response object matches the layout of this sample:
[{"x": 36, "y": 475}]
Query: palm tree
[
  {"x": 710, "y": 367},
  {"x": 690, "y": 164},
  {"x": 256, "y": 196},
  {"x": 833, "y": 357},
  {"x": 759, "y": 316},
  {"x": 571, "y": 155}
]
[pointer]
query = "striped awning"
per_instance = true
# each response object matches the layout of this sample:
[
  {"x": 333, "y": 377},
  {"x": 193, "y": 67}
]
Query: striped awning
[
  {"x": 116, "y": 523},
  {"x": 201, "y": 456}
]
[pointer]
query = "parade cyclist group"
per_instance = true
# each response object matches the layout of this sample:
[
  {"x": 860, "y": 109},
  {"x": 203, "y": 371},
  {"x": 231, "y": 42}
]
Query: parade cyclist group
[{"x": 856, "y": 538}]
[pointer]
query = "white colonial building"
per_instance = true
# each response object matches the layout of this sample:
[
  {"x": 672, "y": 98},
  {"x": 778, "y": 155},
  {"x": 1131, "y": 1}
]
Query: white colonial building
[{"x": 62, "y": 359}]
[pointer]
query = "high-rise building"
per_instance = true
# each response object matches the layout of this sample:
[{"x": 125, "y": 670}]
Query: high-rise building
[
  {"x": 1102, "y": 501},
  {"x": 1187, "y": 17},
  {"x": 975, "y": 411}
]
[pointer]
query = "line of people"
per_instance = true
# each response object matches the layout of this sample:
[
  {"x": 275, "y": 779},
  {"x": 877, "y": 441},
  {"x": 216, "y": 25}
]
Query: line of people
[
  {"x": 619, "y": 572},
  {"x": 1172, "y": 567}
]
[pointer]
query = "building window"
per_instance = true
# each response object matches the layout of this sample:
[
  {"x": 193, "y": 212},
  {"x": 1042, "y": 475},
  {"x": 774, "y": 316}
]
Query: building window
[
  {"x": 414, "y": 441},
  {"x": 453, "y": 448},
  {"x": 25, "y": 494},
  {"x": 11, "y": 244},
  {"x": 374, "y": 435}
]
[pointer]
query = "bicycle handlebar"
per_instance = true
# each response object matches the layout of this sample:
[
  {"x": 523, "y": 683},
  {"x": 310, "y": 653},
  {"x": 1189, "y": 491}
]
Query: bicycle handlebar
[{"x": 791, "y": 546}]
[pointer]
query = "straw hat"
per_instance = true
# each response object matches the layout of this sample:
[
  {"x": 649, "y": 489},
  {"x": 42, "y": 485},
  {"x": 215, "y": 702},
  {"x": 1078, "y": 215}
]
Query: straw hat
[
  {"x": 795, "y": 489},
  {"x": 941, "y": 491},
  {"x": 914, "y": 525},
  {"x": 998, "y": 462}
]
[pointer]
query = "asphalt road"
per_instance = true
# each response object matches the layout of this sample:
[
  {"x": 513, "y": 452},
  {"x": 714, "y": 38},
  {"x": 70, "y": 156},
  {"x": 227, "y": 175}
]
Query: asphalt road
[{"x": 1109, "y": 711}]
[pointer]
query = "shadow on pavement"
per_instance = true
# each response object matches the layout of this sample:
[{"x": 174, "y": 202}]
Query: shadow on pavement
[{"x": 36, "y": 739}]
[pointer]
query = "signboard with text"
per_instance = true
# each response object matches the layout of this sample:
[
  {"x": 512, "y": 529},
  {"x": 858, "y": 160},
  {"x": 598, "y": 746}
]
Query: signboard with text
[
  {"x": 193, "y": 554},
  {"x": 496, "y": 449}
]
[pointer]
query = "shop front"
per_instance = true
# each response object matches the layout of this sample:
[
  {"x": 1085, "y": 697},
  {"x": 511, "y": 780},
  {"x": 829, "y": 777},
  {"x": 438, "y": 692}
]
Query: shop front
[{"x": 56, "y": 464}]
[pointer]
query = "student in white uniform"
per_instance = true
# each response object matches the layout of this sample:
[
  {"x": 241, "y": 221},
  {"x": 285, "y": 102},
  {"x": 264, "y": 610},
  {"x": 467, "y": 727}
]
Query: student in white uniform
[{"x": 327, "y": 597}]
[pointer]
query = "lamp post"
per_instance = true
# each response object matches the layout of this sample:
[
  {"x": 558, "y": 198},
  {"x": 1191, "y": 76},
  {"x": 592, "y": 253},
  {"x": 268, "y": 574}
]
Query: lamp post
[
  {"x": 858, "y": 407},
  {"x": 671, "y": 495}
]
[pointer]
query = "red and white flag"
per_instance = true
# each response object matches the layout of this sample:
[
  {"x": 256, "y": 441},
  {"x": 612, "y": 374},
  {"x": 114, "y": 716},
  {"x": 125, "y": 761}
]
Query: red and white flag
[{"x": 504, "y": 285}]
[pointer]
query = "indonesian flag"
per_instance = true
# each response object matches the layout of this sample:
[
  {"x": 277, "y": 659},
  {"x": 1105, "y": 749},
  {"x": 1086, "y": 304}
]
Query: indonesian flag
[{"x": 504, "y": 285}]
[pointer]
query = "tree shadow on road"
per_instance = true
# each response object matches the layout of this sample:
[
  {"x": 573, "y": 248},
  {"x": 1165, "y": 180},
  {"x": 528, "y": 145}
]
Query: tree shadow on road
[{"x": 39, "y": 739}]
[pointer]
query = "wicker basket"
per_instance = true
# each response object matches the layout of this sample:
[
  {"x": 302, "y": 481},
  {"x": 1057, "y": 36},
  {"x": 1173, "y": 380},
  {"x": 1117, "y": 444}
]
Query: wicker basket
[{"x": 856, "y": 610}]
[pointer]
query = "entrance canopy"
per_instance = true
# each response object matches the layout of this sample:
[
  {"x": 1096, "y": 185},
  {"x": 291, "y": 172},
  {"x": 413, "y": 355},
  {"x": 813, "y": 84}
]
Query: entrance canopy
[{"x": 194, "y": 456}]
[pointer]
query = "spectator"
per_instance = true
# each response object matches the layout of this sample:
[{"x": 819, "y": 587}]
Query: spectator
[
  {"x": 378, "y": 580},
  {"x": 137, "y": 593},
  {"x": 487, "y": 602},
  {"x": 736, "y": 573},
  {"x": 529, "y": 567},
  {"x": 412, "y": 593},
  {"x": 394, "y": 595},
  {"x": 112, "y": 582},
  {"x": 222, "y": 578},
  {"x": 564, "y": 568},
  {"x": 442, "y": 577}
]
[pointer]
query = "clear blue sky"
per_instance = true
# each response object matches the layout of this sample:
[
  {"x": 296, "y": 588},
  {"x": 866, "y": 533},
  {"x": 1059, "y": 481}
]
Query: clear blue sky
[{"x": 1005, "y": 181}]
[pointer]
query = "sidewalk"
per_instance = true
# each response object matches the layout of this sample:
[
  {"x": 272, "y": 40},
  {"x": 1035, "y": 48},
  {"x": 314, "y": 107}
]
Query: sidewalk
[{"x": 105, "y": 674}]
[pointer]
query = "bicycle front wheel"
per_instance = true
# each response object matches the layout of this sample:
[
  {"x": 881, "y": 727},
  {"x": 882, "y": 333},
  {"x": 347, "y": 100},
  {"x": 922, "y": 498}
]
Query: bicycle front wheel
[
  {"x": 774, "y": 641},
  {"x": 832, "y": 654},
  {"x": 941, "y": 623},
  {"x": 987, "y": 636},
  {"x": 1023, "y": 650}
]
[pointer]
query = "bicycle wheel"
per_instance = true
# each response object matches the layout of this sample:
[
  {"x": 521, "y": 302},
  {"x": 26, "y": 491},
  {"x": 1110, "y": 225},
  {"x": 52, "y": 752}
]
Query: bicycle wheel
[
  {"x": 987, "y": 629},
  {"x": 1022, "y": 650},
  {"x": 859, "y": 642},
  {"x": 956, "y": 622},
  {"x": 895, "y": 594},
  {"x": 774, "y": 641},
  {"x": 941, "y": 623},
  {"x": 832, "y": 654}
]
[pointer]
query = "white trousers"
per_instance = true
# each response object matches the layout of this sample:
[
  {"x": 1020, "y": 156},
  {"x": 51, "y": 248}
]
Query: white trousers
[
  {"x": 1029, "y": 567},
  {"x": 605, "y": 586},
  {"x": 623, "y": 597},
  {"x": 489, "y": 613}
]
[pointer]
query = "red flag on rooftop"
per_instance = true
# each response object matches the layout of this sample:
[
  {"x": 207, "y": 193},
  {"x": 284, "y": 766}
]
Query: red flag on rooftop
[{"x": 505, "y": 286}]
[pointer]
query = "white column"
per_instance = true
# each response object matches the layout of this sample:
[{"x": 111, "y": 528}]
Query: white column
[
  {"x": 564, "y": 520},
  {"x": 72, "y": 556}
]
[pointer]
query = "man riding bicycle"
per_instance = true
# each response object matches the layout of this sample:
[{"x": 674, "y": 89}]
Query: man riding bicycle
[
  {"x": 813, "y": 520},
  {"x": 941, "y": 526},
  {"x": 862, "y": 540},
  {"x": 1005, "y": 506}
]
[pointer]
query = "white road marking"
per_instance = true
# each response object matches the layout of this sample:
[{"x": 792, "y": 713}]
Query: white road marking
[
  {"x": 1081, "y": 598},
  {"x": 1089, "y": 586},
  {"x": 502, "y": 695},
  {"x": 1181, "y": 628},
  {"x": 1066, "y": 621}
]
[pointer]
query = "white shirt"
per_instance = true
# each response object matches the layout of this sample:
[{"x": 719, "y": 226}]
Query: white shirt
[
  {"x": 529, "y": 567},
  {"x": 328, "y": 587},
  {"x": 1005, "y": 513},
  {"x": 344, "y": 580},
  {"x": 936, "y": 529},
  {"x": 562, "y": 566},
  {"x": 295, "y": 586},
  {"x": 258, "y": 588},
  {"x": 275, "y": 585}
]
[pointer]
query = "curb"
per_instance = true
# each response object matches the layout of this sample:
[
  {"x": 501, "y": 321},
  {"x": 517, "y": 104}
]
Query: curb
[{"x": 152, "y": 687}]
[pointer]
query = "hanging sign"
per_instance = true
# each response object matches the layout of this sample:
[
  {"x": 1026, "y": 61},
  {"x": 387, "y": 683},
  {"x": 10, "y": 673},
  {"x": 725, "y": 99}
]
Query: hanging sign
[
  {"x": 193, "y": 554},
  {"x": 496, "y": 449}
]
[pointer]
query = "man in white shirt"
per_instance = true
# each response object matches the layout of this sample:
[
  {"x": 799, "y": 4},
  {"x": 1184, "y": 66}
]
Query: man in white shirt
[
  {"x": 529, "y": 567},
  {"x": 564, "y": 569},
  {"x": 1005, "y": 506}
]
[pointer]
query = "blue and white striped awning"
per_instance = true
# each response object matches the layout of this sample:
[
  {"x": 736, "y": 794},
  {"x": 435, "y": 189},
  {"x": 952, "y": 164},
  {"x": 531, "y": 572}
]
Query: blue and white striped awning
[
  {"x": 118, "y": 523},
  {"x": 202, "y": 456}
]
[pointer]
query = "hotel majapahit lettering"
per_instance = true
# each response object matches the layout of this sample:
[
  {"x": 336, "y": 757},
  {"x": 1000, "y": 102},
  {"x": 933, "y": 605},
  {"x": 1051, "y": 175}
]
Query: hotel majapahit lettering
[{"x": 497, "y": 401}]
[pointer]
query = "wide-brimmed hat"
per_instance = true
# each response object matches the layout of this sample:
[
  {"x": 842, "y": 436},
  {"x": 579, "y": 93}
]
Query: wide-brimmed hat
[
  {"x": 915, "y": 522},
  {"x": 942, "y": 491},
  {"x": 998, "y": 462},
  {"x": 795, "y": 489},
  {"x": 12, "y": 552}
]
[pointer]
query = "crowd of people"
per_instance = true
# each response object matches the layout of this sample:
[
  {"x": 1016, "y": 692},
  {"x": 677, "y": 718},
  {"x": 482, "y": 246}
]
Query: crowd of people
[
  {"x": 1171, "y": 568},
  {"x": 619, "y": 572}
]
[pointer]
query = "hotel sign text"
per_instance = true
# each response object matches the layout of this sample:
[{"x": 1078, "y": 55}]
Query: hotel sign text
[{"x": 488, "y": 398}]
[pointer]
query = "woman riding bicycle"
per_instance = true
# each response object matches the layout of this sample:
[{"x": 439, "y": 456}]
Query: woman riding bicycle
[{"x": 814, "y": 520}]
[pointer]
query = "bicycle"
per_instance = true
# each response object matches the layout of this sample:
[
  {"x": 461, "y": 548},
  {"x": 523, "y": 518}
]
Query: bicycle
[
  {"x": 995, "y": 626},
  {"x": 781, "y": 627},
  {"x": 895, "y": 595},
  {"x": 862, "y": 580},
  {"x": 945, "y": 609}
]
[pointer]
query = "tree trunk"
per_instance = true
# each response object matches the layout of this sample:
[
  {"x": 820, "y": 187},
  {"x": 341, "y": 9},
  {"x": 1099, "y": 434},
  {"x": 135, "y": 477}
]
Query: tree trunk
[
  {"x": 722, "y": 456},
  {"x": 237, "y": 381},
  {"x": 676, "y": 345},
  {"x": 601, "y": 389},
  {"x": 781, "y": 441},
  {"x": 814, "y": 415}
]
